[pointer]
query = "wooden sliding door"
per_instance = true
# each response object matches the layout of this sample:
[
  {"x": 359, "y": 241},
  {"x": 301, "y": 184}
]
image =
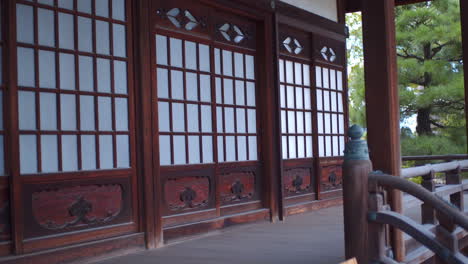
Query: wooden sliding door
[{"x": 205, "y": 107}]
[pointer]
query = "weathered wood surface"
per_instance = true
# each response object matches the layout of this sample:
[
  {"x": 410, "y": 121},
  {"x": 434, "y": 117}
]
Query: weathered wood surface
[
  {"x": 442, "y": 167},
  {"x": 299, "y": 240}
]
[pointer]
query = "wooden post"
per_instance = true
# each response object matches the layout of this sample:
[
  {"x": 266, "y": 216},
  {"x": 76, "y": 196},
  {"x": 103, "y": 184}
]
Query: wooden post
[
  {"x": 464, "y": 26},
  {"x": 454, "y": 177},
  {"x": 383, "y": 116},
  {"x": 427, "y": 211},
  {"x": 356, "y": 169}
]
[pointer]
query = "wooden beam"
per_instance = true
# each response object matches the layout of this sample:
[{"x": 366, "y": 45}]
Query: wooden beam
[
  {"x": 383, "y": 117},
  {"x": 355, "y": 5},
  {"x": 464, "y": 26}
]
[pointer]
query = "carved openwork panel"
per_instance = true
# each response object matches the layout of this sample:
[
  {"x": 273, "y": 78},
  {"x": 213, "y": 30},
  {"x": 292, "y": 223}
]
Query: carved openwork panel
[
  {"x": 294, "y": 42},
  {"x": 186, "y": 193},
  {"x": 332, "y": 177},
  {"x": 237, "y": 186},
  {"x": 329, "y": 51},
  {"x": 232, "y": 30},
  {"x": 297, "y": 181}
]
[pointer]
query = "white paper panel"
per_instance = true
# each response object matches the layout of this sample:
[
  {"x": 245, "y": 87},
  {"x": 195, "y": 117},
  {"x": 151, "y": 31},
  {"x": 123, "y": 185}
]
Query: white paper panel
[
  {"x": 84, "y": 6},
  {"x": 190, "y": 55},
  {"x": 250, "y": 67},
  {"x": 230, "y": 148},
  {"x": 177, "y": 85},
  {"x": 320, "y": 123},
  {"x": 290, "y": 97},
  {"x": 162, "y": 83},
  {"x": 229, "y": 119},
  {"x": 217, "y": 59},
  {"x": 282, "y": 96},
  {"x": 28, "y": 154},
  {"x": 228, "y": 91},
  {"x": 163, "y": 116},
  {"x": 321, "y": 147},
  {"x": 238, "y": 65},
  {"x": 204, "y": 57},
  {"x": 206, "y": 118},
  {"x": 86, "y": 73},
  {"x": 67, "y": 71},
  {"x": 161, "y": 50},
  {"x": 105, "y": 113},
  {"x": 66, "y": 30},
  {"x": 318, "y": 76},
  {"x": 49, "y": 153},
  {"x": 179, "y": 150},
  {"x": 67, "y": 4},
  {"x": 291, "y": 122},
  {"x": 292, "y": 147},
  {"x": 24, "y": 23},
  {"x": 307, "y": 99},
  {"x": 240, "y": 118},
  {"x": 341, "y": 124},
  {"x": 284, "y": 146},
  {"x": 342, "y": 146},
  {"x": 69, "y": 153},
  {"x": 88, "y": 152},
  {"x": 27, "y": 110},
  {"x": 220, "y": 149},
  {"x": 219, "y": 119},
  {"x": 120, "y": 77},
  {"x": 45, "y": 27},
  {"x": 194, "y": 149},
  {"x": 47, "y": 69},
  {"x": 207, "y": 148},
  {"x": 191, "y": 86},
  {"x": 299, "y": 98},
  {"x": 308, "y": 122},
  {"x": 192, "y": 118},
  {"x": 68, "y": 111},
  {"x": 176, "y": 52},
  {"x": 178, "y": 117},
  {"x": 309, "y": 147},
  {"x": 324, "y": 8},
  {"x": 300, "y": 147},
  {"x": 326, "y": 100},
  {"x": 103, "y": 75},
  {"x": 85, "y": 36},
  {"x": 165, "y": 150},
  {"x": 328, "y": 146},
  {"x": 240, "y": 93},
  {"x": 326, "y": 83},
  {"x": 26, "y": 73},
  {"x": 121, "y": 114},
  {"x": 339, "y": 77},
  {"x": 334, "y": 107},
  {"x": 289, "y": 72},
  {"x": 106, "y": 151},
  {"x": 48, "y": 111},
  {"x": 242, "y": 148},
  {"x": 284, "y": 126},
  {"x": 119, "y": 40},
  {"x": 102, "y": 8},
  {"x": 227, "y": 62},
  {"x": 327, "y": 123},
  {"x": 300, "y": 122},
  {"x": 205, "y": 88},
  {"x": 219, "y": 94},
  {"x": 250, "y": 94},
  {"x": 298, "y": 73},
  {"x": 281, "y": 70},
  {"x": 118, "y": 9},
  {"x": 87, "y": 116},
  {"x": 319, "y": 100},
  {"x": 306, "y": 73},
  {"x": 252, "y": 121},
  {"x": 336, "y": 147}
]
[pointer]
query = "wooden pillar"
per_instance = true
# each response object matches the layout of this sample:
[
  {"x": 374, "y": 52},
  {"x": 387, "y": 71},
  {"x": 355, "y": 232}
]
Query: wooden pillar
[
  {"x": 383, "y": 117},
  {"x": 464, "y": 27}
]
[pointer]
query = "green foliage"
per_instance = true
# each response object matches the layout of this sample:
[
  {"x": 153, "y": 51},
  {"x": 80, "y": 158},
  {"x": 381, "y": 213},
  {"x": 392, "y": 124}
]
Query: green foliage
[{"x": 431, "y": 145}]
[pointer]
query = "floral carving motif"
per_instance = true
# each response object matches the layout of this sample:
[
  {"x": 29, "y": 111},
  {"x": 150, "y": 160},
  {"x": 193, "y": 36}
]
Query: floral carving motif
[
  {"x": 297, "y": 180},
  {"x": 186, "y": 193},
  {"x": 238, "y": 186}
]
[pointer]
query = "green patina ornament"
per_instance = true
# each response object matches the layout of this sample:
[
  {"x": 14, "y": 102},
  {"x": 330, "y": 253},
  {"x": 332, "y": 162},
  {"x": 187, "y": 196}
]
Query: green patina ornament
[{"x": 356, "y": 149}]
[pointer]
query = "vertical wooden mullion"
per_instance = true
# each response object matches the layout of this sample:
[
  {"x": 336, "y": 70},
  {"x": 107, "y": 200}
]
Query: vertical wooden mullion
[
  {"x": 12, "y": 129},
  {"x": 286, "y": 109},
  {"x": 170, "y": 102},
  {"x": 58, "y": 89},
  {"x": 96, "y": 89},
  {"x": 221, "y": 69},
  {"x": 37, "y": 94},
  {"x": 113, "y": 99},
  {"x": 77, "y": 88}
]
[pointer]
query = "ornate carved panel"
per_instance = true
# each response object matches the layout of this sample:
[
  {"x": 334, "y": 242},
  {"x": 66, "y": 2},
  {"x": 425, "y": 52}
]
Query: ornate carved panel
[
  {"x": 63, "y": 208},
  {"x": 294, "y": 42},
  {"x": 330, "y": 51},
  {"x": 185, "y": 193},
  {"x": 332, "y": 178},
  {"x": 237, "y": 186},
  {"x": 297, "y": 181}
]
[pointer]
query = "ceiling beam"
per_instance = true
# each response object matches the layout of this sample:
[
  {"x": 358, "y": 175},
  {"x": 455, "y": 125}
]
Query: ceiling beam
[{"x": 355, "y": 5}]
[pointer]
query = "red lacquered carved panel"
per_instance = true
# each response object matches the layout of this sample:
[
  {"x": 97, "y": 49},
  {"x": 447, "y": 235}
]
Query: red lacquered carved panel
[
  {"x": 77, "y": 206},
  {"x": 187, "y": 193},
  {"x": 237, "y": 186},
  {"x": 4, "y": 214},
  {"x": 332, "y": 177},
  {"x": 297, "y": 180}
]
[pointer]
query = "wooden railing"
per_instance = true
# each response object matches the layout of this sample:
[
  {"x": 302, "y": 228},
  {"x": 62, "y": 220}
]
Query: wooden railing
[{"x": 442, "y": 232}]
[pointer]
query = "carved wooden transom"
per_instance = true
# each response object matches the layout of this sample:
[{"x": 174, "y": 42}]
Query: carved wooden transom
[
  {"x": 292, "y": 45},
  {"x": 328, "y": 54}
]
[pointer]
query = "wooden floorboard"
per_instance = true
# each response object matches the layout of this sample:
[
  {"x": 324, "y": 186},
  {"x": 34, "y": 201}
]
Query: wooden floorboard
[{"x": 310, "y": 238}]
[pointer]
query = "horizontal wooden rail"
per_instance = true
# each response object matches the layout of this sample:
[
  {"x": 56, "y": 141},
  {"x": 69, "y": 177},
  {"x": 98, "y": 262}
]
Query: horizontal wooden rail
[
  {"x": 418, "y": 232},
  {"x": 426, "y": 169},
  {"x": 435, "y": 157}
]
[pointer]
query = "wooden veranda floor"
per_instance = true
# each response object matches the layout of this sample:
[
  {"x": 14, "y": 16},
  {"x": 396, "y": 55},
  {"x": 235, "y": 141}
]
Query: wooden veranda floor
[{"x": 312, "y": 238}]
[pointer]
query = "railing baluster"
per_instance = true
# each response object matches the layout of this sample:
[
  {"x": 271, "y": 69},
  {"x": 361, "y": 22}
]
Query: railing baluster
[
  {"x": 376, "y": 235},
  {"x": 427, "y": 211},
  {"x": 454, "y": 177},
  {"x": 446, "y": 235}
]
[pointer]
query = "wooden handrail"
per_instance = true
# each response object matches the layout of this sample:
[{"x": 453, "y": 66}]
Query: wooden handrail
[
  {"x": 422, "y": 194},
  {"x": 435, "y": 157},
  {"x": 426, "y": 169}
]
